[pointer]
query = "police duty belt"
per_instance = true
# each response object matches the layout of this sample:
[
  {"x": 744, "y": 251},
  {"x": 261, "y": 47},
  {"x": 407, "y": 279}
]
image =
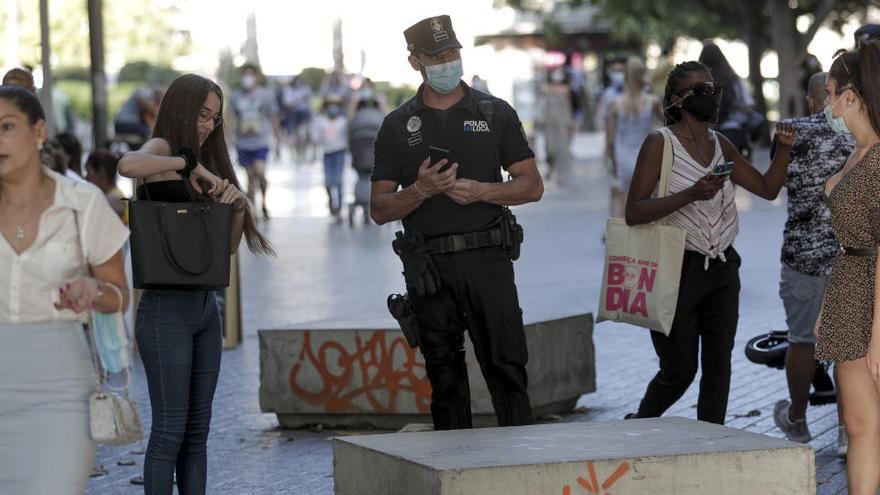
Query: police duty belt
[{"x": 465, "y": 242}]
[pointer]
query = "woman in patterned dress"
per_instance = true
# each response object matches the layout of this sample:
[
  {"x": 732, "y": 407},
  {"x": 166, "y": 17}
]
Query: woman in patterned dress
[{"x": 848, "y": 329}]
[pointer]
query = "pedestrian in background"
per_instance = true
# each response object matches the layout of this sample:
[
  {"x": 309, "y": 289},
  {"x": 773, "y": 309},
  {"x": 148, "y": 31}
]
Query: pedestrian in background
[
  {"x": 849, "y": 325},
  {"x": 736, "y": 99},
  {"x": 331, "y": 127},
  {"x": 101, "y": 169},
  {"x": 631, "y": 116},
  {"x": 179, "y": 332},
  {"x": 705, "y": 168},
  {"x": 296, "y": 105},
  {"x": 60, "y": 257},
  {"x": 558, "y": 124},
  {"x": 73, "y": 149},
  {"x": 362, "y": 132},
  {"x": 808, "y": 250},
  {"x": 255, "y": 114}
]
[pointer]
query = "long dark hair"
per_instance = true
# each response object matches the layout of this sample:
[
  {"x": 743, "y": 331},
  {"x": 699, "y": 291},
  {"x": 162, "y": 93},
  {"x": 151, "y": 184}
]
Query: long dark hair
[
  {"x": 177, "y": 122},
  {"x": 673, "y": 113},
  {"x": 723, "y": 75},
  {"x": 859, "y": 70}
]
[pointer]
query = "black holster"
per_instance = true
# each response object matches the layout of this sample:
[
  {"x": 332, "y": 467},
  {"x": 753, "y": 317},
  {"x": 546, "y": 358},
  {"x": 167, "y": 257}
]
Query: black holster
[
  {"x": 401, "y": 309},
  {"x": 512, "y": 234},
  {"x": 419, "y": 271}
]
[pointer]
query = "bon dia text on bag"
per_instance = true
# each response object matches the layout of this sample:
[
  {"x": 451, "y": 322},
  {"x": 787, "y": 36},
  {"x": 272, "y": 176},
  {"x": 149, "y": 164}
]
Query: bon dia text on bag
[{"x": 629, "y": 283}]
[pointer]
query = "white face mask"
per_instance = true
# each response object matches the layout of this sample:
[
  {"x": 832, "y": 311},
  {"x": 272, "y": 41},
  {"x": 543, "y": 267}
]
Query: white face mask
[
  {"x": 616, "y": 78},
  {"x": 248, "y": 81},
  {"x": 444, "y": 78}
]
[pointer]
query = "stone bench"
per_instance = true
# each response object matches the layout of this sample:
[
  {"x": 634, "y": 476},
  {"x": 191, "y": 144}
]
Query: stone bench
[
  {"x": 356, "y": 374},
  {"x": 663, "y": 456}
]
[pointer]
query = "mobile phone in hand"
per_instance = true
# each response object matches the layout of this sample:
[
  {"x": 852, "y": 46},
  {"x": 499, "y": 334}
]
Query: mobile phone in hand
[
  {"x": 438, "y": 154},
  {"x": 723, "y": 169}
]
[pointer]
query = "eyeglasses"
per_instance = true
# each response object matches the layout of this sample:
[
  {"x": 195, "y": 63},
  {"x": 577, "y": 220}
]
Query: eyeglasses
[
  {"x": 702, "y": 89},
  {"x": 215, "y": 119}
]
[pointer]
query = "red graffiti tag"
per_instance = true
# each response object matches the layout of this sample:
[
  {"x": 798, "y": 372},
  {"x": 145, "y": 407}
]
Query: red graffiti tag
[
  {"x": 592, "y": 485},
  {"x": 367, "y": 371}
]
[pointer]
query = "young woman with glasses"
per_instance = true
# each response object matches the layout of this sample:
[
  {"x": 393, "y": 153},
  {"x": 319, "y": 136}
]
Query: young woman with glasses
[{"x": 179, "y": 332}]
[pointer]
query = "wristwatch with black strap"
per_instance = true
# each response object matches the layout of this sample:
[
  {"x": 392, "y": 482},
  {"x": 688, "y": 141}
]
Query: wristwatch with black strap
[{"x": 191, "y": 162}]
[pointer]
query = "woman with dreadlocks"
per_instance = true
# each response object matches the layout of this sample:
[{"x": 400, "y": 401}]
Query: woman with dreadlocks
[{"x": 706, "y": 167}]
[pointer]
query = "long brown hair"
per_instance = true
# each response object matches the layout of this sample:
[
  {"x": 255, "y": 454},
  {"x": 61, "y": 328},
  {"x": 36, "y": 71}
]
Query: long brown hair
[
  {"x": 859, "y": 70},
  {"x": 176, "y": 123}
]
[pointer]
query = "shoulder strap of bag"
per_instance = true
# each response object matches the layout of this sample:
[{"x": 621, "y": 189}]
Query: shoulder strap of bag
[
  {"x": 89, "y": 335},
  {"x": 666, "y": 164}
]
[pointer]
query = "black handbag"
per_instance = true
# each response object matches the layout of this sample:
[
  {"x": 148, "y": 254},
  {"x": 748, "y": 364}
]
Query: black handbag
[{"x": 180, "y": 246}]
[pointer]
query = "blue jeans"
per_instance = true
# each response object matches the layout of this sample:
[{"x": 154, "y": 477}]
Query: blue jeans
[
  {"x": 333, "y": 164},
  {"x": 179, "y": 335}
]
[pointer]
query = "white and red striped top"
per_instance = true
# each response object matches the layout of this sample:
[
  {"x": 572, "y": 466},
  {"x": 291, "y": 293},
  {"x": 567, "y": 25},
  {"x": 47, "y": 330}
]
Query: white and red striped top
[{"x": 711, "y": 225}]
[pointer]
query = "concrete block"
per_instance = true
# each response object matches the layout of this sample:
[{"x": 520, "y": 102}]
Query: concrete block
[
  {"x": 363, "y": 373},
  {"x": 663, "y": 456}
]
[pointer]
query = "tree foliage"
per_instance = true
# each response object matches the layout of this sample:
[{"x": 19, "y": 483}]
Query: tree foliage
[{"x": 133, "y": 30}]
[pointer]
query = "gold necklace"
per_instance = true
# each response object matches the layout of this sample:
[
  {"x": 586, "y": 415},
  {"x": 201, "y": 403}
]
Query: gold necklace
[{"x": 20, "y": 232}]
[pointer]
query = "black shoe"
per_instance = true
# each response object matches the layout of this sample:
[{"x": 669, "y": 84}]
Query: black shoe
[
  {"x": 631, "y": 416},
  {"x": 265, "y": 214}
]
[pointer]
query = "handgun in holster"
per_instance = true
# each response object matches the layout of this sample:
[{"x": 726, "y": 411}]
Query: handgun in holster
[
  {"x": 419, "y": 271},
  {"x": 512, "y": 234},
  {"x": 401, "y": 309}
]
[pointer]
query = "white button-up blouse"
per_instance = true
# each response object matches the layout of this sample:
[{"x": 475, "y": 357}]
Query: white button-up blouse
[{"x": 29, "y": 281}]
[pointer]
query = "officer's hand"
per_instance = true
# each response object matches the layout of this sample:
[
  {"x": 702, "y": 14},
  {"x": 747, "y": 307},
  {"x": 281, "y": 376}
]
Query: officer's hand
[
  {"x": 706, "y": 188},
  {"x": 431, "y": 181},
  {"x": 466, "y": 191}
]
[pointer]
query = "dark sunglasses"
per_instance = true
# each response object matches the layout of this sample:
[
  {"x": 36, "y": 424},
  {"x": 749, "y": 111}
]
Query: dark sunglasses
[{"x": 702, "y": 89}]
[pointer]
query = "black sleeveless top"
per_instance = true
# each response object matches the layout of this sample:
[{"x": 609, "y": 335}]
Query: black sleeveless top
[{"x": 172, "y": 191}]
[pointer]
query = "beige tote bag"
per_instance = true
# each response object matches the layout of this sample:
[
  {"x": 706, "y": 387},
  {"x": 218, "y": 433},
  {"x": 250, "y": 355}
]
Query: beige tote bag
[{"x": 643, "y": 265}]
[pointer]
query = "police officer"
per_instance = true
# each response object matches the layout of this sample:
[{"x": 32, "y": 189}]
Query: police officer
[{"x": 457, "y": 251}]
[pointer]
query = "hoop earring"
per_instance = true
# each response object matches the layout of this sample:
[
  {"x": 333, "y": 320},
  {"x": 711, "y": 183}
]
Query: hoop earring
[{"x": 39, "y": 146}]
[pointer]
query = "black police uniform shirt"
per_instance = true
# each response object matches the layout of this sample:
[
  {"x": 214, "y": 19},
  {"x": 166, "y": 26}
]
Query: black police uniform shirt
[{"x": 463, "y": 129}]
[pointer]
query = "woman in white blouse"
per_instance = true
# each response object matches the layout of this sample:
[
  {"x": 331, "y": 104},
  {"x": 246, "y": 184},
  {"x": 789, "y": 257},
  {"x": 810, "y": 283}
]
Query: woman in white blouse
[{"x": 59, "y": 257}]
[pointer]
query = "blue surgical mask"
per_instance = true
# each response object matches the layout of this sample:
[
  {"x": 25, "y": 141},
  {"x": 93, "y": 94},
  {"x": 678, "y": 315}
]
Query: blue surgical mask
[
  {"x": 111, "y": 341},
  {"x": 444, "y": 78},
  {"x": 334, "y": 111},
  {"x": 838, "y": 124}
]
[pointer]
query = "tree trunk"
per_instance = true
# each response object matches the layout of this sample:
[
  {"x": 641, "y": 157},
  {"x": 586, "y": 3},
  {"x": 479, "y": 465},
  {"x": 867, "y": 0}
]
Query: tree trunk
[
  {"x": 789, "y": 48},
  {"x": 99, "y": 77},
  {"x": 757, "y": 46},
  {"x": 46, "y": 90}
]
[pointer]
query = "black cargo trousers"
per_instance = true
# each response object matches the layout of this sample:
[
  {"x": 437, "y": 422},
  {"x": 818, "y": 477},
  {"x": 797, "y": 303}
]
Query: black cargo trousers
[{"x": 477, "y": 294}]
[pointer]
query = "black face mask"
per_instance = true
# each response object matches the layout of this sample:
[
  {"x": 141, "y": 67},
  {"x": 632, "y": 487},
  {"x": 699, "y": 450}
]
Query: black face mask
[{"x": 704, "y": 107}]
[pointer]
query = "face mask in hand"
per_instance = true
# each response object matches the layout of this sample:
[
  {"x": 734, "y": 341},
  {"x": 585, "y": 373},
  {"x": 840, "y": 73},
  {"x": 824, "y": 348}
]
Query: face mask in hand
[
  {"x": 444, "y": 78},
  {"x": 111, "y": 341}
]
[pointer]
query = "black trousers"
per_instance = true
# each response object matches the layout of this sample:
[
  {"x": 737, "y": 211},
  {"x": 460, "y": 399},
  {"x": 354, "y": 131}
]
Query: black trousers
[
  {"x": 707, "y": 313},
  {"x": 478, "y": 294}
]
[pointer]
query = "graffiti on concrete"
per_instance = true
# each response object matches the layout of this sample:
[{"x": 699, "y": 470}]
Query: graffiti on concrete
[
  {"x": 373, "y": 375},
  {"x": 592, "y": 485}
]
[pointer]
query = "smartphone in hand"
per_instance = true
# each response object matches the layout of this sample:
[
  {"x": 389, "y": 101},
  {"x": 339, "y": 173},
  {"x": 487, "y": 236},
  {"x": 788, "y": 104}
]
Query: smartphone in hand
[
  {"x": 722, "y": 169},
  {"x": 437, "y": 154}
]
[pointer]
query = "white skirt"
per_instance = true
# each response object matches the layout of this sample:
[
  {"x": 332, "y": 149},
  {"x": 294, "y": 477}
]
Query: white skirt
[{"x": 46, "y": 378}]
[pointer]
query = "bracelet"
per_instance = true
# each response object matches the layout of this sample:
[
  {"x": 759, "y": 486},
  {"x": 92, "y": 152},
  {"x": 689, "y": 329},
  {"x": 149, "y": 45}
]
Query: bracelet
[
  {"x": 191, "y": 163},
  {"x": 423, "y": 195}
]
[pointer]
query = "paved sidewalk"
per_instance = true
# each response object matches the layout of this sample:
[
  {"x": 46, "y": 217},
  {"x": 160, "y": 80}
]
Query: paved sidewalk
[{"x": 326, "y": 271}]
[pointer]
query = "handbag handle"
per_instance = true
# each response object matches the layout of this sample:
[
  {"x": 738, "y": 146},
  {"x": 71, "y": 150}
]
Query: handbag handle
[{"x": 166, "y": 243}]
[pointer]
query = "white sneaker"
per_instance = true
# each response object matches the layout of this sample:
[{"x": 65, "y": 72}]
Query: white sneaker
[{"x": 842, "y": 442}]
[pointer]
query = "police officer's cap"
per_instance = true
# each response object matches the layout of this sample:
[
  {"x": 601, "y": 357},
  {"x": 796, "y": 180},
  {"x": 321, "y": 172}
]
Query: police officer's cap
[
  {"x": 867, "y": 32},
  {"x": 431, "y": 35}
]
